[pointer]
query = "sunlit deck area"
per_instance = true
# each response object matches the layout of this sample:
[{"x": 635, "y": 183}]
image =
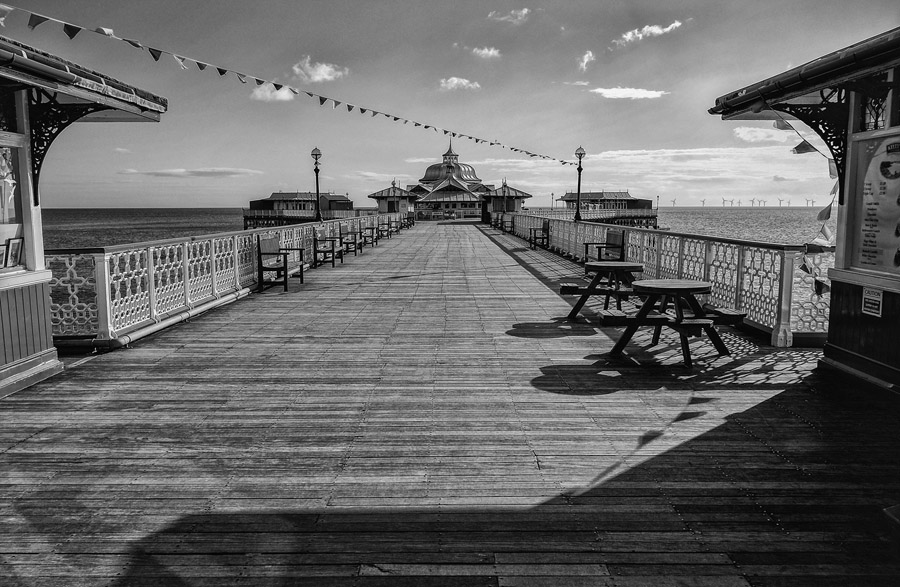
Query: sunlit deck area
[{"x": 423, "y": 414}]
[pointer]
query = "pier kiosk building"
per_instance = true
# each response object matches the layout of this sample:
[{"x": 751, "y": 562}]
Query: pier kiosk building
[
  {"x": 451, "y": 189},
  {"x": 851, "y": 98},
  {"x": 41, "y": 95}
]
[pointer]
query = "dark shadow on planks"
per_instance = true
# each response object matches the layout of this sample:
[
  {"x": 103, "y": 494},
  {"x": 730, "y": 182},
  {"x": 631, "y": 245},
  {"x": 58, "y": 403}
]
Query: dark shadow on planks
[{"x": 788, "y": 492}]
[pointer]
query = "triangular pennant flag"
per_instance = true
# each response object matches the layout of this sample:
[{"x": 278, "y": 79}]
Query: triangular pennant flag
[
  {"x": 322, "y": 100},
  {"x": 35, "y": 20},
  {"x": 804, "y": 267},
  {"x": 277, "y": 87},
  {"x": 396, "y": 118},
  {"x": 241, "y": 77},
  {"x": 310, "y": 95},
  {"x": 156, "y": 53},
  {"x": 826, "y": 232},
  {"x": 782, "y": 124},
  {"x": 133, "y": 43},
  {"x": 427, "y": 126},
  {"x": 832, "y": 169},
  {"x": 349, "y": 107},
  {"x": 104, "y": 31},
  {"x": 834, "y": 189},
  {"x": 258, "y": 81},
  {"x": 417, "y": 124},
  {"x": 180, "y": 61},
  {"x": 821, "y": 287},
  {"x": 446, "y": 132},
  {"x": 803, "y": 147},
  {"x": 4, "y": 12},
  {"x": 222, "y": 71},
  {"x": 335, "y": 104},
  {"x": 201, "y": 66},
  {"x": 71, "y": 30},
  {"x": 825, "y": 213},
  {"x": 374, "y": 113},
  {"x": 362, "y": 110},
  {"x": 385, "y": 115},
  {"x": 294, "y": 91}
]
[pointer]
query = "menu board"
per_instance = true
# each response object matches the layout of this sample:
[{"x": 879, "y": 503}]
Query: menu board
[{"x": 877, "y": 246}]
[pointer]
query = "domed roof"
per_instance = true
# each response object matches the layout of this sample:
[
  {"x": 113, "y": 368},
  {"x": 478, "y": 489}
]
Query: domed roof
[{"x": 449, "y": 167}]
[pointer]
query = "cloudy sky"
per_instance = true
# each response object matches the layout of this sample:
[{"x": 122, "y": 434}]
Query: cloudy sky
[{"x": 630, "y": 81}]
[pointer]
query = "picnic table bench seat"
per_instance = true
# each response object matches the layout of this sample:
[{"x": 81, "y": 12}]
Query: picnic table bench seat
[
  {"x": 724, "y": 316},
  {"x": 540, "y": 236},
  {"x": 580, "y": 289},
  {"x": 271, "y": 257}
]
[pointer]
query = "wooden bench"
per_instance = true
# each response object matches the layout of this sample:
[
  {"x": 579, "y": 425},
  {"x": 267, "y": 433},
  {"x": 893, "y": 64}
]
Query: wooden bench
[
  {"x": 350, "y": 242},
  {"x": 327, "y": 248},
  {"x": 271, "y": 257},
  {"x": 540, "y": 236},
  {"x": 384, "y": 230},
  {"x": 507, "y": 225},
  {"x": 726, "y": 316},
  {"x": 369, "y": 236},
  {"x": 615, "y": 243}
]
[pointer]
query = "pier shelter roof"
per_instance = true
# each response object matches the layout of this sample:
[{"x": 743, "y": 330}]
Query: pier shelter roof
[
  {"x": 26, "y": 66},
  {"x": 602, "y": 195}
]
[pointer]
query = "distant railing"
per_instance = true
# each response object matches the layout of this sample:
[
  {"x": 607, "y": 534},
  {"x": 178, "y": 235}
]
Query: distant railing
[
  {"x": 112, "y": 295},
  {"x": 589, "y": 212},
  {"x": 773, "y": 283}
]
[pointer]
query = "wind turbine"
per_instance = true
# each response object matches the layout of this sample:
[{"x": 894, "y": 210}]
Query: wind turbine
[
  {"x": 752, "y": 201},
  {"x": 762, "y": 202},
  {"x": 673, "y": 202},
  {"x": 780, "y": 201},
  {"x": 739, "y": 203},
  {"x": 703, "y": 203},
  {"x": 810, "y": 202}
]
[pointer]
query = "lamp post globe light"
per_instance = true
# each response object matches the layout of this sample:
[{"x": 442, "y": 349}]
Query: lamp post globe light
[
  {"x": 316, "y": 153},
  {"x": 579, "y": 152}
]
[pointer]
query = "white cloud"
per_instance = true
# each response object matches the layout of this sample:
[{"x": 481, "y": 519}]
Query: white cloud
[
  {"x": 585, "y": 59},
  {"x": 633, "y": 36},
  {"x": 515, "y": 17},
  {"x": 578, "y": 83},
  {"x": 458, "y": 83},
  {"x": 758, "y": 135},
  {"x": 318, "y": 72},
  {"x": 199, "y": 172},
  {"x": 122, "y": 150},
  {"x": 268, "y": 93},
  {"x": 619, "y": 93},
  {"x": 487, "y": 52},
  {"x": 385, "y": 178}
]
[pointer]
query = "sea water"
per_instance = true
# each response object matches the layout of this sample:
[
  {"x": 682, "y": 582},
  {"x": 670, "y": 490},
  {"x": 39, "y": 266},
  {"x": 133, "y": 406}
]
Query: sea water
[{"x": 98, "y": 227}]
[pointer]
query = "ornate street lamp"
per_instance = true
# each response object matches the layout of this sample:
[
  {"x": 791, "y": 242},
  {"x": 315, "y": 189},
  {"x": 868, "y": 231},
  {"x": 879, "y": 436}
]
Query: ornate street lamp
[
  {"x": 316, "y": 153},
  {"x": 579, "y": 152}
]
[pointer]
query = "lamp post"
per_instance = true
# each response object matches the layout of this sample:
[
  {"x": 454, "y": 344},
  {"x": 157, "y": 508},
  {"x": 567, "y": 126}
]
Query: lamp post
[
  {"x": 579, "y": 152},
  {"x": 316, "y": 153}
]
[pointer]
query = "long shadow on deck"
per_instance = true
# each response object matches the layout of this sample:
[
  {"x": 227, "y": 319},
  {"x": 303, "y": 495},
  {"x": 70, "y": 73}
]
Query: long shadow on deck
[{"x": 787, "y": 492}]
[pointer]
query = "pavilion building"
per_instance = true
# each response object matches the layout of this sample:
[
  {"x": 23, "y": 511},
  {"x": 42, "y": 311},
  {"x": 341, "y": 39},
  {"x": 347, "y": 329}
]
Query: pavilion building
[{"x": 451, "y": 189}]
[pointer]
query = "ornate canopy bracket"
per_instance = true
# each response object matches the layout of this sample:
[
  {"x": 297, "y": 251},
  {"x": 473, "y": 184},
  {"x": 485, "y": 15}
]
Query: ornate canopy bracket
[
  {"x": 829, "y": 119},
  {"x": 48, "y": 118}
]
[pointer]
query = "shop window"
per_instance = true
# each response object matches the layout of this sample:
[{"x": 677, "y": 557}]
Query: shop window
[
  {"x": 11, "y": 244},
  {"x": 873, "y": 104}
]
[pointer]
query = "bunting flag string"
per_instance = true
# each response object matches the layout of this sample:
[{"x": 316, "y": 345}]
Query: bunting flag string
[
  {"x": 825, "y": 236},
  {"x": 72, "y": 30}
]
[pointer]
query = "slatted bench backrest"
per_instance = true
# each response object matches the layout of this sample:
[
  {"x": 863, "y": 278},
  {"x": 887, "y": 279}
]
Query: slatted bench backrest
[{"x": 269, "y": 244}]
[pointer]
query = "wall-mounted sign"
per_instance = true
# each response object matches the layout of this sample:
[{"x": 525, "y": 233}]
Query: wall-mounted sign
[
  {"x": 871, "y": 301},
  {"x": 877, "y": 245}
]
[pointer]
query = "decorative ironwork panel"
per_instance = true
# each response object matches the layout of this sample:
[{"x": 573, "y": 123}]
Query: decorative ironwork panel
[
  {"x": 723, "y": 272},
  {"x": 168, "y": 277},
  {"x": 246, "y": 258},
  {"x": 669, "y": 255},
  {"x": 223, "y": 261},
  {"x": 809, "y": 311},
  {"x": 199, "y": 270},
  {"x": 73, "y": 295},
  {"x": 693, "y": 259},
  {"x": 129, "y": 293},
  {"x": 761, "y": 284}
]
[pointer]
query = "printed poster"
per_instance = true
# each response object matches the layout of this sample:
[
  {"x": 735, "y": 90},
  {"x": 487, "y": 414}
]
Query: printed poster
[{"x": 878, "y": 244}]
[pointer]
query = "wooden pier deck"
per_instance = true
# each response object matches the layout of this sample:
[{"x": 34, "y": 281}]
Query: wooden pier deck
[{"x": 423, "y": 415}]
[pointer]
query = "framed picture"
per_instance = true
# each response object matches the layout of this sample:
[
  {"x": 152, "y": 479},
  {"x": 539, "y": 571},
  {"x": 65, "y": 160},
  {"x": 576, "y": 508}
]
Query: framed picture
[
  {"x": 2, "y": 255},
  {"x": 13, "y": 251}
]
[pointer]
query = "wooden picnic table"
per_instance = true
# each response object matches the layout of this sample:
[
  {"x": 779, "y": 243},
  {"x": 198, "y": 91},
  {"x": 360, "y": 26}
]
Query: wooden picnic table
[
  {"x": 619, "y": 276},
  {"x": 681, "y": 294}
]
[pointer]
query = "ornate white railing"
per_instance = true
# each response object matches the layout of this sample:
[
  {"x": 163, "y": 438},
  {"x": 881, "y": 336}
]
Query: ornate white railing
[
  {"x": 773, "y": 283},
  {"x": 589, "y": 212},
  {"x": 113, "y": 295}
]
